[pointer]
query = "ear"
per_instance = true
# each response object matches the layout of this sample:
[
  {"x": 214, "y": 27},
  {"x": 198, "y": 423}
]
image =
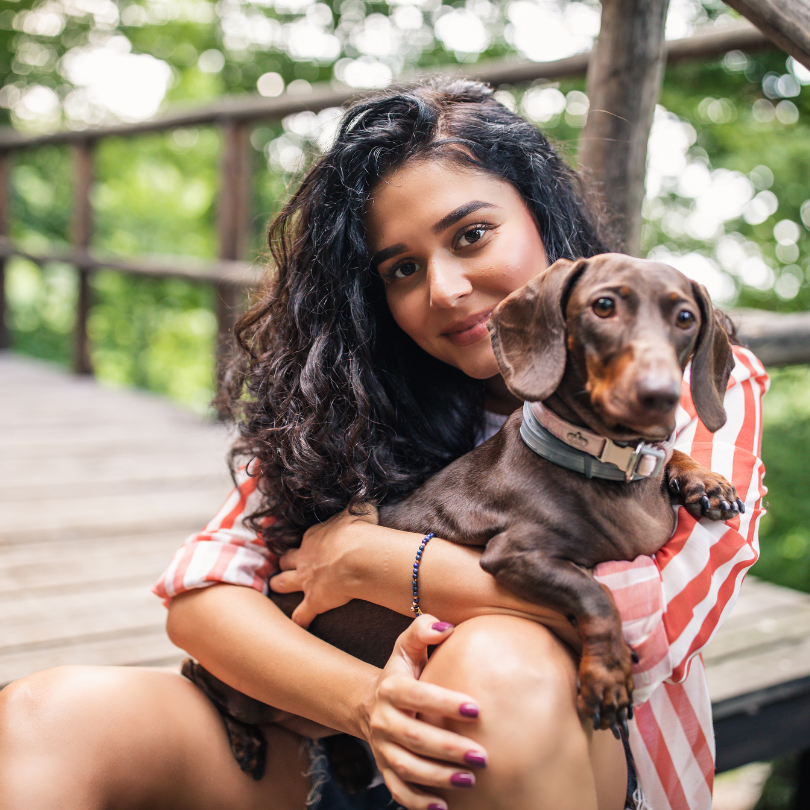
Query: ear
[
  {"x": 528, "y": 331},
  {"x": 712, "y": 362}
]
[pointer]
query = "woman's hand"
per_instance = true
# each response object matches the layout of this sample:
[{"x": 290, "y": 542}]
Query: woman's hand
[
  {"x": 409, "y": 751},
  {"x": 322, "y": 567}
]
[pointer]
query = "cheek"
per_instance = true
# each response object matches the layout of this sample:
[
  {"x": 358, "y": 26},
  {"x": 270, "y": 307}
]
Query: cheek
[
  {"x": 406, "y": 312},
  {"x": 524, "y": 258}
]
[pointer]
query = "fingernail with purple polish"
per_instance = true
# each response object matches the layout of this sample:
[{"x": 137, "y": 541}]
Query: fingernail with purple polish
[
  {"x": 462, "y": 780},
  {"x": 442, "y": 627},
  {"x": 435, "y": 806},
  {"x": 468, "y": 710},
  {"x": 476, "y": 758}
]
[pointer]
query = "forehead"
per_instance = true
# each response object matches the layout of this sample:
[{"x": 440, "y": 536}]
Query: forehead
[
  {"x": 635, "y": 274},
  {"x": 423, "y": 191}
]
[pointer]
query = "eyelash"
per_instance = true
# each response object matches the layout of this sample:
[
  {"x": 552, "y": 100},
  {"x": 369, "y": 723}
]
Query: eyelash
[{"x": 390, "y": 275}]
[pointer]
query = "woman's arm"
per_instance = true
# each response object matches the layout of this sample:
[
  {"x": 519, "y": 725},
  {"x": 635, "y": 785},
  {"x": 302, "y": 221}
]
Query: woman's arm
[
  {"x": 351, "y": 557},
  {"x": 241, "y": 637},
  {"x": 673, "y": 603}
]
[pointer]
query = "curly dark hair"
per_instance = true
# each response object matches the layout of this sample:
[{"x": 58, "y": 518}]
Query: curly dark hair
[{"x": 335, "y": 404}]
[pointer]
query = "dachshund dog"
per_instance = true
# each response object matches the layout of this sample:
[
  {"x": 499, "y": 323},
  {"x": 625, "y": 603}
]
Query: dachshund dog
[{"x": 582, "y": 474}]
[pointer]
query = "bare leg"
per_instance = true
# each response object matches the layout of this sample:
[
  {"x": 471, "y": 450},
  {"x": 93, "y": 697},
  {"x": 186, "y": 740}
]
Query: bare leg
[
  {"x": 540, "y": 754},
  {"x": 95, "y": 738}
]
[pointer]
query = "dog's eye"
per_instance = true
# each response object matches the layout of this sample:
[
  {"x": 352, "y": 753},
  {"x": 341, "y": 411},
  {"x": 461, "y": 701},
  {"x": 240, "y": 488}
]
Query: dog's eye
[
  {"x": 604, "y": 307},
  {"x": 685, "y": 319}
]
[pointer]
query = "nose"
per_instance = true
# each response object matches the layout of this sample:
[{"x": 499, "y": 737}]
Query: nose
[
  {"x": 658, "y": 382},
  {"x": 658, "y": 395},
  {"x": 448, "y": 282}
]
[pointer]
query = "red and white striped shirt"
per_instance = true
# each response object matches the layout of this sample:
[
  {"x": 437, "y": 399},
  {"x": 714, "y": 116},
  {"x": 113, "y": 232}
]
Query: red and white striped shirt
[{"x": 671, "y": 603}]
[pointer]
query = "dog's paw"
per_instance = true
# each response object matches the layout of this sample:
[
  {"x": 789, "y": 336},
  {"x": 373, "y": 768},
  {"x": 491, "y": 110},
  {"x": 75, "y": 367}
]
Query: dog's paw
[
  {"x": 606, "y": 689},
  {"x": 706, "y": 494}
]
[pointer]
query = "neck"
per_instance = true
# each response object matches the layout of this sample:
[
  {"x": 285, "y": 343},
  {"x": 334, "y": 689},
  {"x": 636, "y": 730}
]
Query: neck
[{"x": 498, "y": 398}]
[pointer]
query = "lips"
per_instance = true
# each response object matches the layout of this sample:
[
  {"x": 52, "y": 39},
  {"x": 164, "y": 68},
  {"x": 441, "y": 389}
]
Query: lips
[{"x": 469, "y": 330}]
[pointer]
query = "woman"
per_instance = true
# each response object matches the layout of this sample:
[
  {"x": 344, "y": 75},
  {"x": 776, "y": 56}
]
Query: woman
[{"x": 365, "y": 368}]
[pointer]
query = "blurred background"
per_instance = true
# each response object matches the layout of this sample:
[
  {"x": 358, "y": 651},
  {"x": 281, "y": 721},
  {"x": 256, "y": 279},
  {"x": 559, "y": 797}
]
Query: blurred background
[{"x": 727, "y": 201}]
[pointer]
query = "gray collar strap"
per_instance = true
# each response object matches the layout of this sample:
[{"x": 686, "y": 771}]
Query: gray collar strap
[{"x": 587, "y": 453}]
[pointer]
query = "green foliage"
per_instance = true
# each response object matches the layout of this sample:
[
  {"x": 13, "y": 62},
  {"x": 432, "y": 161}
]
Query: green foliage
[
  {"x": 785, "y": 528},
  {"x": 157, "y": 334}
]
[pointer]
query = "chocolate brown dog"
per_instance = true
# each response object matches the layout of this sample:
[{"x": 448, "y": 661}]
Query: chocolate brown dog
[{"x": 585, "y": 477}]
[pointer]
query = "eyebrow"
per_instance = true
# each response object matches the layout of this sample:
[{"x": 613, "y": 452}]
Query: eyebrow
[
  {"x": 462, "y": 211},
  {"x": 386, "y": 253},
  {"x": 445, "y": 222}
]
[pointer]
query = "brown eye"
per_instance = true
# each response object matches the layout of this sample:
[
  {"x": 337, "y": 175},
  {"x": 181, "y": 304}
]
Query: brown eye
[
  {"x": 604, "y": 307},
  {"x": 685, "y": 319}
]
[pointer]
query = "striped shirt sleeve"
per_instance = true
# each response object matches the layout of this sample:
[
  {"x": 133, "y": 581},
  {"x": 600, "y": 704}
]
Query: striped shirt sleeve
[
  {"x": 226, "y": 550},
  {"x": 673, "y": 602}
]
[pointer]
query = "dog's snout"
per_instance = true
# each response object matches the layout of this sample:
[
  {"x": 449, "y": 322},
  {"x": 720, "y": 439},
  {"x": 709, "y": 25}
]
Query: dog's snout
[{"x": 659, "y": 394}]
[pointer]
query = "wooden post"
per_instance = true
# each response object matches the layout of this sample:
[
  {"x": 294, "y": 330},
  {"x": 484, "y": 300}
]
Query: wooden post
[
  {"x": 785, "y": 22},
  {"x": 82, "y": 234},
  {"x": 624, "y": 80},
  {"x": 5, "y": 168},
  {"x": 234, "y": 229}
]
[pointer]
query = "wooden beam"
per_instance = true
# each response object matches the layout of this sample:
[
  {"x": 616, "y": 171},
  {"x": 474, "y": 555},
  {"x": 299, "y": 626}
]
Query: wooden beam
[
  {"x": 240, "y": 274},
  {"x": 5, "y": 168},
  {"x": 707, "y": 44},
  {"x": 777, "y": 339},
  {"x": 624, "y": 80},
  {"x": 234, "y": 230},
  {"x": 82, "y": 234},
  {"x": 785, "y": 22}
]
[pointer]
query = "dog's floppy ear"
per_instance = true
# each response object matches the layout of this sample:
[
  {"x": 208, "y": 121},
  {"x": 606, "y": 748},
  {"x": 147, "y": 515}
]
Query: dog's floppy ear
[
  {"x": 528, "y": 331},
  {"x": 712, "y": 362}
]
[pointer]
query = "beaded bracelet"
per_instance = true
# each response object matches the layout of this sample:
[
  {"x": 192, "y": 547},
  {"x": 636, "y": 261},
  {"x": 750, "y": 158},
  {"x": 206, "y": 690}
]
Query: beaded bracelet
[{"x": 415, "y": 581}]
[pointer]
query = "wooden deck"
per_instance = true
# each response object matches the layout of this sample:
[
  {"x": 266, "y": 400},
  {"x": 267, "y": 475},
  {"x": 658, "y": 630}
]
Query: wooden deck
[{"x": 98, "y": 488}]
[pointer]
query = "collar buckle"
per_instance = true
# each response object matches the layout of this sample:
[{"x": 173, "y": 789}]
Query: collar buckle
[{"x": 644, "y": 460}]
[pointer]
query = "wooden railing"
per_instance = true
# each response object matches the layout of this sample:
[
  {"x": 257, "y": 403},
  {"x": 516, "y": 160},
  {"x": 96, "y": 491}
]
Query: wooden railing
[{"x": 235, "y": 116}]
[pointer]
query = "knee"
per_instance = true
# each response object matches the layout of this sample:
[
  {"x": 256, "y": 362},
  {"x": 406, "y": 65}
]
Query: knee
[
  {"x": 524, "y": 680},
  {"x": 509, "y": 660},
  {"x": 45, "y": 718}
]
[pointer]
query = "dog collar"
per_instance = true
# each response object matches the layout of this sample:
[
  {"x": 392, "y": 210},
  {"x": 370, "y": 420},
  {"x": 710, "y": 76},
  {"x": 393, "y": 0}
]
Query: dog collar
[{"x": 588, "y": 453}]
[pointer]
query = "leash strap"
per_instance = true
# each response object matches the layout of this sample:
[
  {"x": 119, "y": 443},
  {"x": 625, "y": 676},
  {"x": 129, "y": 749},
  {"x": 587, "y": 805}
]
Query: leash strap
[{"x": 586, "y": 453}]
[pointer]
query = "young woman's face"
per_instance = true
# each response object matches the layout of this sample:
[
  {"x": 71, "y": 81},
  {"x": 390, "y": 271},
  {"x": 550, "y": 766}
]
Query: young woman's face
[{"x": 450, "y": 243}]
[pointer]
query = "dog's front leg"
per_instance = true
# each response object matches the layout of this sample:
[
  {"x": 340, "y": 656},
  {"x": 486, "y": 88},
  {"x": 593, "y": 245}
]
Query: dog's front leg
[{"x": 606, "y": 681}]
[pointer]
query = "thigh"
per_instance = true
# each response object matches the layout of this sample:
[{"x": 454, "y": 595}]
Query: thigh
[
  {"x": 525, "y": 680},
  {"x": 110, "y": 737}
]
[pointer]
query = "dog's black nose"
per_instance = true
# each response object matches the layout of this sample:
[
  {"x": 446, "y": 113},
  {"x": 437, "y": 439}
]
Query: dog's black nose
[{"x": 659, "y": 395}]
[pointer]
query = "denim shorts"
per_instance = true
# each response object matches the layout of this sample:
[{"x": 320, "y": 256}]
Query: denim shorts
[{"x": 327, "y": 795}]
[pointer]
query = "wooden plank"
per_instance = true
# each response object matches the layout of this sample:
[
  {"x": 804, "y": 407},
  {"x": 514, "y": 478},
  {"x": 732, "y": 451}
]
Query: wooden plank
[
  {"x": 624, "y": 81},
  {"x": 98, "y": 488},
  {"x": 149, "y": 648},
  {"x": 785, "y": 22},
  {"x": 764, "y": 642}
]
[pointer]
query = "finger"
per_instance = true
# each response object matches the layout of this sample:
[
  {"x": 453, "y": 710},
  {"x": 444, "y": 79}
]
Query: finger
[
  {"x": 416, "y": 770},
  {"x": 407, "y": 694},
  {"x": 423, "y": 632},
  {"x": 287, "y": 561},
  {"x": 410, "y": 796},
  {"x": 303, "y": 614},
  {"x": 287, "y": 582},
  {"x": 433, "y": 742}
]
